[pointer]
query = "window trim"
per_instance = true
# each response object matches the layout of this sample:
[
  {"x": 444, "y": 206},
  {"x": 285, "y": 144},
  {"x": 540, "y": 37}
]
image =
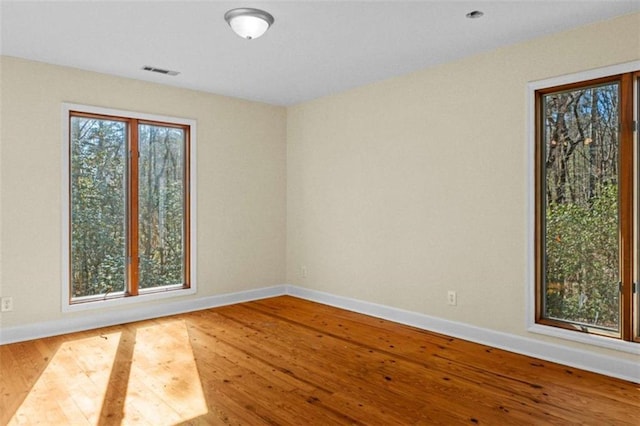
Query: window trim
[
  {"x": 143, "y": 296},
  {"x": 635, "y": 321},
  {"x": 531, "y": 308}
]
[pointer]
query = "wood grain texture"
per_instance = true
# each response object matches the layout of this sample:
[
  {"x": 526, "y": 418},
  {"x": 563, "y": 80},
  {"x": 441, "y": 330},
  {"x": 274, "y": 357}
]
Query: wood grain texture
[{"x": 292, "y": 362}]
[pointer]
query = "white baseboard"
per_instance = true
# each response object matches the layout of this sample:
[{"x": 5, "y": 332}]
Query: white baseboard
[
  {"x": 586, "y": 360},
  {"x": 131, "y": 314}
]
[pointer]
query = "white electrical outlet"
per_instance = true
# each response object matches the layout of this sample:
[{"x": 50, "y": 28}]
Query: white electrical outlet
[
  {"x": 6, "y": 304},
  {"x": 303, "y": 271},
  {"x": 452, "y": 297}
]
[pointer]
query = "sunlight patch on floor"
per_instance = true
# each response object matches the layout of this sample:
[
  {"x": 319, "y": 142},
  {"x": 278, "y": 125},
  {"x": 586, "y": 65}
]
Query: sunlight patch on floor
[
  {"x": 164, "y": 386},
  {"x": 146, "y": 375},
  {"x": 72, "y": 387}
]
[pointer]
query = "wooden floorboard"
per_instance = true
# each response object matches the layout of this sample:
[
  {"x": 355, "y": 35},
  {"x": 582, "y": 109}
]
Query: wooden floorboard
[{"x": 292, "y": 362}]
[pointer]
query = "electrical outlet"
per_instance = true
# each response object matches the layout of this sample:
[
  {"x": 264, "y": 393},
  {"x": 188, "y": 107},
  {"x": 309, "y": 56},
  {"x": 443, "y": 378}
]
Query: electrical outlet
[
  {"x": 6, "y": 304},
  {"x": 303, "y": 271},
  {"x": 452, "y": 298}
]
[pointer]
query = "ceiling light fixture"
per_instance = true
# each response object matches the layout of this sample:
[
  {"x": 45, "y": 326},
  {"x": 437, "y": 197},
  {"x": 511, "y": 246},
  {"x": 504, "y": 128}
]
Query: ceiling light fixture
[
  {"x": 249, "y": 23},
  {"x": 475, "y": 14}
]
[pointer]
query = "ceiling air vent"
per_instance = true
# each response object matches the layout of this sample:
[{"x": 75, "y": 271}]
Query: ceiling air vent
[{"x": 160, "y": 70}]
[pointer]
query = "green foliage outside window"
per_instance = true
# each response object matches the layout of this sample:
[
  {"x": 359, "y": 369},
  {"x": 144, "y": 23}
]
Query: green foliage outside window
[
  {"x": 582, "y": 268},
  {"x": 161, "y": 199},
  {"x": 98, "y": 192},
  {"x": 581, "y": 167},
  {"x": 99, "y": 180}
]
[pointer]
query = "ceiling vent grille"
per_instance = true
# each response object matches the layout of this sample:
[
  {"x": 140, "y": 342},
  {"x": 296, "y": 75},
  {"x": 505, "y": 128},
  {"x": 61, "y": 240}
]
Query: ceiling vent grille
[{"x": 160, "y": 70}]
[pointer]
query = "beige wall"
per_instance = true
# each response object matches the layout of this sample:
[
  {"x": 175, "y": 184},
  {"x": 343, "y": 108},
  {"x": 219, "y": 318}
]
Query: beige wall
[
  {"x": 241, "y": 150},
  {"x": 404, "y": 189}
]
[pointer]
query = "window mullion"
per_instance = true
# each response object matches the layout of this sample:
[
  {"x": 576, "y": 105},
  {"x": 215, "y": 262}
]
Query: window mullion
[{"x": 133, "y": 266}]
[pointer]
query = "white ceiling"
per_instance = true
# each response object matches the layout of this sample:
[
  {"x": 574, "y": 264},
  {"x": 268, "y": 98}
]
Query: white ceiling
[{"x": 314, "y": 48}]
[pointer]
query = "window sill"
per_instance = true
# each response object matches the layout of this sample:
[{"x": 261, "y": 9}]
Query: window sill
[
  {"x": 122, "y": 301},
  {"x": 589, "y": 339}
]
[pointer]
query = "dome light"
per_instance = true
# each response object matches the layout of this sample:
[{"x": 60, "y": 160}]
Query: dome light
[{"x": 249, "y": 23}]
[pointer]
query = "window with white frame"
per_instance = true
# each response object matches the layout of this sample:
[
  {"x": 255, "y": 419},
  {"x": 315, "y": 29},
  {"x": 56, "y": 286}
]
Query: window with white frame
[
  {"x": 129, "y": 200},
  {"x": 587, "y": 206}
]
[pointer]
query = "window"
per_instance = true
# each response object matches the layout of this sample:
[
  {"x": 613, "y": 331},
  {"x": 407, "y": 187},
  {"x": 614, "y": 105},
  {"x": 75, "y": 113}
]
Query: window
[
  {"x": 587, "y": 206},
  {"x": 129, "y": 220}
]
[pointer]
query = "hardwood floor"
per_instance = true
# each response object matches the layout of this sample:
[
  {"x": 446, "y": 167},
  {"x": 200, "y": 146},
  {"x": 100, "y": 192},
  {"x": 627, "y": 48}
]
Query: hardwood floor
[{"x": 290, "y": 361}]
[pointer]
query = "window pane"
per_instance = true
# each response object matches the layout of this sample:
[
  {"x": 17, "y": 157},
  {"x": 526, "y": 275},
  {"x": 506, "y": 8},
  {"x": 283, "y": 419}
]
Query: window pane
[
  {"x": 98, "y": 165},
  {"x": 580, "y": 173},
  {"x": 161, "y": 200}
]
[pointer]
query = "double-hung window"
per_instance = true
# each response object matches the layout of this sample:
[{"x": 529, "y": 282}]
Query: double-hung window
[
  {"x": 587, "y": 205},
  {"x": 128, "y": 202}
]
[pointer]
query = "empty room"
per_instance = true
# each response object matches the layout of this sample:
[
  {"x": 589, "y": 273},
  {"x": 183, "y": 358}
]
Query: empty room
[{"x": 320, "y": 212}]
